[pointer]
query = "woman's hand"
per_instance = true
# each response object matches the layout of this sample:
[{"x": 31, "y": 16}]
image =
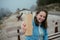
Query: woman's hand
[{"x": 23, "y": 27}]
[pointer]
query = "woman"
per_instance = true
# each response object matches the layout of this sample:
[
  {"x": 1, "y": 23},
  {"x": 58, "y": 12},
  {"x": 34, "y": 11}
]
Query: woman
[{"x": 39, "y": 26}]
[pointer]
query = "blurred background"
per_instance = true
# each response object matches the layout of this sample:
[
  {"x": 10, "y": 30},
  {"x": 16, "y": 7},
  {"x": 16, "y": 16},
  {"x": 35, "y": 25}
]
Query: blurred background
[{"x": 11, "y": 17}]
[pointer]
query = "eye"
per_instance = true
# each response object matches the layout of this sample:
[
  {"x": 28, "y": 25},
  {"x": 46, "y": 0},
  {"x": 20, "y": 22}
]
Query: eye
[
  {"x": 40, "y": 15},
  {"x": 44, "y": 17}
]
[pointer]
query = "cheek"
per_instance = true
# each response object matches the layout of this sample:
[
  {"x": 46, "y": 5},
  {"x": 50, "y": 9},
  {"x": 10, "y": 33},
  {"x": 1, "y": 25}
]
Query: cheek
[
  {"x": 37, "y": 17},
  {"x": 43, "y": 18}
]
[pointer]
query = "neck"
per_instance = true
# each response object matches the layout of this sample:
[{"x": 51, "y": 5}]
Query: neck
[{"x": 39, "y": 24}]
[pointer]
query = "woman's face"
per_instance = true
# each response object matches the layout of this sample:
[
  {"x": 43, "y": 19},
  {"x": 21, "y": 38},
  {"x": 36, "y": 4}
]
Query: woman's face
[{"x": 41, "y": 16}]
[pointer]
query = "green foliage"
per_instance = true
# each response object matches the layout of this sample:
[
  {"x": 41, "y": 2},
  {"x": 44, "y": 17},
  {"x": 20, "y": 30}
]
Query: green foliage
[{"x": 46, "y": 2}]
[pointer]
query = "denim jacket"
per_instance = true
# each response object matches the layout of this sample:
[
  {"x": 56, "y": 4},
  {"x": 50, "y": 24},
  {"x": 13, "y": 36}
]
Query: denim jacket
[{"x": 35, "y": 33}]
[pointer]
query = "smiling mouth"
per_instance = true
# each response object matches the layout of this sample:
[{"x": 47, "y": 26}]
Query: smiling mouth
[{"x": 39, "y": 18}]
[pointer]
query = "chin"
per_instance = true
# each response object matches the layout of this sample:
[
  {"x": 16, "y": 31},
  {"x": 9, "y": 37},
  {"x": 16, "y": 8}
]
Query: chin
[{"x": 39, "y": 21}]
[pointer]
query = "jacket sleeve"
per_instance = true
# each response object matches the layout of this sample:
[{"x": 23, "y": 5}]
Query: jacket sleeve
[{"x": 45, "y": 34}]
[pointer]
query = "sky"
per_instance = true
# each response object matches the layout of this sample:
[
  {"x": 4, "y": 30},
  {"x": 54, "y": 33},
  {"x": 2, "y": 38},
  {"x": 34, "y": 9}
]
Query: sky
[{"x": 14, "y": 4}]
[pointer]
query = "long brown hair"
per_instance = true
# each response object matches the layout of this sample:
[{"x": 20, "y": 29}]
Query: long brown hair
[{"x": 44, "y": 23}]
